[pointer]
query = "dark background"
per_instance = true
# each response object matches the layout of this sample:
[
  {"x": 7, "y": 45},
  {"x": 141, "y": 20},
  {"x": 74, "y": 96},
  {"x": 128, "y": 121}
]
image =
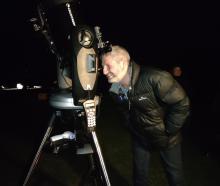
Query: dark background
[
  {"x": 184, "y": 32},
  {"x": 155, "y": 33}
]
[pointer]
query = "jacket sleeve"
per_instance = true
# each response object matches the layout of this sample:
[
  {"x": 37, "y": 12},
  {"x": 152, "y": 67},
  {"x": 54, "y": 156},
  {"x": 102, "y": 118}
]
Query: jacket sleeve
[{"x": 175, "y": 100}]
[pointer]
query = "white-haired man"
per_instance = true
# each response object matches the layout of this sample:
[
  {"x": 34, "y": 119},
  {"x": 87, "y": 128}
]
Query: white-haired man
[{"x": 157, "y": 107}]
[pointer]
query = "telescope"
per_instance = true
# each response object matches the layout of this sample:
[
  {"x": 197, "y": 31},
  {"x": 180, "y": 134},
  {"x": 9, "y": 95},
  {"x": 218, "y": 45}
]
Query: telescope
[{"x": 77, "y": 48}]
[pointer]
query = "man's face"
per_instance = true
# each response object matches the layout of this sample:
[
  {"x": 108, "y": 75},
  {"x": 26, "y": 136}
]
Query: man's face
[
  {"x": 177, "y": 72},
  {"x": 112, "y": 69}
]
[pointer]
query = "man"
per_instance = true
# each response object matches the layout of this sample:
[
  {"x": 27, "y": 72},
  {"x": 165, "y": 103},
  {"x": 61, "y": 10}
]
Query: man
[{"x": 158, "y": 108}]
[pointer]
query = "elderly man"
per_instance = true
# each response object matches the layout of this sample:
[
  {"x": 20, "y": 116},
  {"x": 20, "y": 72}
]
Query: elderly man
[{"x": 157, "y": 110}]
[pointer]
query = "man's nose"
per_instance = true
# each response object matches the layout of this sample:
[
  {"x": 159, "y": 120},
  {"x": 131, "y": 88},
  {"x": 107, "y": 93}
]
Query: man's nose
[{"x": 105, "y": 70}]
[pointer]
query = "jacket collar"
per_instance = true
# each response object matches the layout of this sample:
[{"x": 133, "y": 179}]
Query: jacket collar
[{"x": 135, "y": 73}]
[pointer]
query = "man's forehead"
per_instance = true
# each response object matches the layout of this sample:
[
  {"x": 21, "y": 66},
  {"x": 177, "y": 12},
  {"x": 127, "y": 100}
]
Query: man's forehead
[
  {"x": 109, "y": 61},
  {"x": 107, "y": 58}
]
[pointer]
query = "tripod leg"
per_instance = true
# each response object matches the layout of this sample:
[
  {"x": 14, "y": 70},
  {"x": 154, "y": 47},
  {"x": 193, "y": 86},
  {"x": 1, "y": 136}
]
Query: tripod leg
[
  {"x": 34, "y": 163},
  {"x": 98, "y": 149}
]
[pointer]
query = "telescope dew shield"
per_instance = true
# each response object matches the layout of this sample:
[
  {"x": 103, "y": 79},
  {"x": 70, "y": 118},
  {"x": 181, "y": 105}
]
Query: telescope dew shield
[{"x": 85, "y": 64}]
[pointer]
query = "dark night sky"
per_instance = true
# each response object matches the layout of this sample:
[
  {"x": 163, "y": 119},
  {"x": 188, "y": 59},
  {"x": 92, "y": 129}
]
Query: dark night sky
[{"x": 164, "y": 32}]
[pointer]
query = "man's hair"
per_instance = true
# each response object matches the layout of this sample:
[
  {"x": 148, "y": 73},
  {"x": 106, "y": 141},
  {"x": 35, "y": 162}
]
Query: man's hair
[{"x": 118, "y": 51}]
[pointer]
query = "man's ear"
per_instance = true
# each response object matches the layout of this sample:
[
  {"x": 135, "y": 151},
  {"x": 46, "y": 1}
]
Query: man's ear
[{"x": 122, "y": 63}]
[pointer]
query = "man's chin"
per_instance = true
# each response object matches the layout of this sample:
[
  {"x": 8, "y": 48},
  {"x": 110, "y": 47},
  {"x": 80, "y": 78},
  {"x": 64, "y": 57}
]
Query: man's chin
[{"x": 112, "y": 80}]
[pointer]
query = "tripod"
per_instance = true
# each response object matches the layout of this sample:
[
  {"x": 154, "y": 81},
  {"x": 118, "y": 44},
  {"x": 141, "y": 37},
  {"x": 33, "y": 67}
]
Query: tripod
[{"x": 63, "y": 101}]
